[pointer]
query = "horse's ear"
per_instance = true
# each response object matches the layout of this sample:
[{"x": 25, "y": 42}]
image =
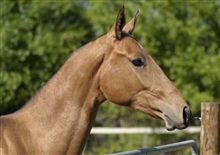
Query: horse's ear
[
  {"x": 120, "y": 23},
  {"x": 130, "y": 26}
]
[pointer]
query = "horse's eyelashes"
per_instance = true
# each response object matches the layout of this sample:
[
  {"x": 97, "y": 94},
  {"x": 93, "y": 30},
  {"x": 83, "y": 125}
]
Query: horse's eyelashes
[{"x": 138, "y": 62}]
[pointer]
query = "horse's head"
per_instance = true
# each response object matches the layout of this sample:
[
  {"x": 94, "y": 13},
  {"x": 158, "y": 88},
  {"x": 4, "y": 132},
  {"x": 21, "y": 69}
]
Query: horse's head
[{"x": 129, "y": 76}]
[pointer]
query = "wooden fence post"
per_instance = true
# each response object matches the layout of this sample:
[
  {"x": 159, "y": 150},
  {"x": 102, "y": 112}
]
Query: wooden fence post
[{"x": 209, "y": 136}]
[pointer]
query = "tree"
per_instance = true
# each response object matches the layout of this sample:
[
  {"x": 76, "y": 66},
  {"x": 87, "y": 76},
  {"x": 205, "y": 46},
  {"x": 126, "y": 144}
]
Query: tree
[{"x": 36, "y": 38}]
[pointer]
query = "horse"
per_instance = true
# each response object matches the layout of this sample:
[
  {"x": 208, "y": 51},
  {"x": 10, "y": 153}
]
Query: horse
[{"x": 115, "y": 67}]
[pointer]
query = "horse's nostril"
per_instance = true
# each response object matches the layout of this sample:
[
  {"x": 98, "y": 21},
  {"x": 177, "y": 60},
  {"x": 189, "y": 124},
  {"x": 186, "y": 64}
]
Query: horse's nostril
[{"x": 186, "y": 115}]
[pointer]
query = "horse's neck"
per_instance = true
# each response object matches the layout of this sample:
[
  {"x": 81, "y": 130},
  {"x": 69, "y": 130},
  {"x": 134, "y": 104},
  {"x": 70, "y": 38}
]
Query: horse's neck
[{"x": 64, "y": 109}]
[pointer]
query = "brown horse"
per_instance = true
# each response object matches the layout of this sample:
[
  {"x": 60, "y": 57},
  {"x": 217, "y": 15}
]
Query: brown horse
[{"x": 114, "y": 67}]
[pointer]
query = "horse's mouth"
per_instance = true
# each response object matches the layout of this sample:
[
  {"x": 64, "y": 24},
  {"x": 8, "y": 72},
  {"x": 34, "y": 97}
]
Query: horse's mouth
[
  {"x": 159, "y": 114},
  {"x": 170, "y": 126},
  {"x": 174, "y": 127}
]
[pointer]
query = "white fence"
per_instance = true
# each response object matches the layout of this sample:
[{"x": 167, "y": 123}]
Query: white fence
[{"x": 141, "y": 130}]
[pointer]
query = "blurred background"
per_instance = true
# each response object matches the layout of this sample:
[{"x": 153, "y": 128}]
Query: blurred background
[{"x": 37, "y": 36}]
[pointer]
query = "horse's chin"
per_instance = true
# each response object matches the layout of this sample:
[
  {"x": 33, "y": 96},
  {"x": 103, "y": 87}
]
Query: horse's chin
[
  {"x": 173, "y": 128},
  {"x": 170, "y": 126}
]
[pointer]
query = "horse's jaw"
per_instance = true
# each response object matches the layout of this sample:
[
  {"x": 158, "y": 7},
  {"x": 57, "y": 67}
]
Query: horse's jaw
[{"x": 173, "y": 117}]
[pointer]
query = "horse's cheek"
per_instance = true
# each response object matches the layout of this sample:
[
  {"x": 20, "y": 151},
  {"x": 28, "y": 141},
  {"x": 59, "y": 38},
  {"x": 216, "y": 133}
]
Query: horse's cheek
[{"x": 114, "y": 89}]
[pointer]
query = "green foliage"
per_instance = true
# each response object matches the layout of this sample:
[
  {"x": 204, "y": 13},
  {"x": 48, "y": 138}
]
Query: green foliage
[
  {"x": 36, "y": 38},
  {"x": 105, "y": 144}
]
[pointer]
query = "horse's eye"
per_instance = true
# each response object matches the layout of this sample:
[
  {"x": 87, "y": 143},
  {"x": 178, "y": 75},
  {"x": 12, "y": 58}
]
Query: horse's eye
[{"x": 137, "y": 62}]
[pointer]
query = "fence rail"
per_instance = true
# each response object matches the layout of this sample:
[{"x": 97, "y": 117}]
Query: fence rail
[
  {"x": 164, "y": 148},
  {"x": 141, "y": 130}
]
